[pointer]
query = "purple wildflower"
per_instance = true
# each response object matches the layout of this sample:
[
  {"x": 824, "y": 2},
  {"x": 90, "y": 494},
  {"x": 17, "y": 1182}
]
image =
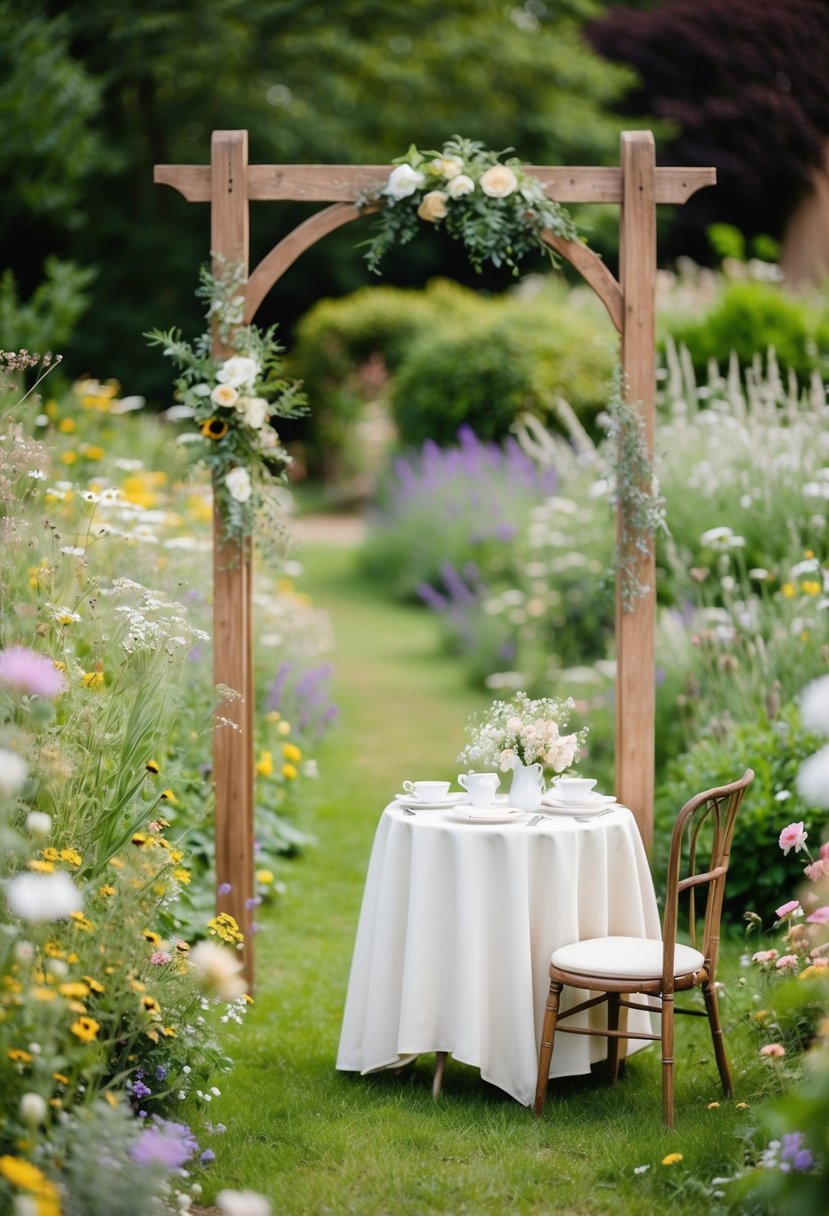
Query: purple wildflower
[
  {"x": 30, "y": 673},
  {"x": 140, "y": 1090},
  {"x": 160, "y": 1073},
  {"x": 793, "y": 1156},
  {"x": 207, "y": 1156},
  {"x": 224, "y": 888},
  {"x": 165, "y": 1143}
]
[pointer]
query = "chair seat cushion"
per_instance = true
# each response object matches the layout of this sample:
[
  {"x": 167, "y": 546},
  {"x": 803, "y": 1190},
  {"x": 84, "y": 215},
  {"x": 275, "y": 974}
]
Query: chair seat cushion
[{"x": 616, "y": 957}]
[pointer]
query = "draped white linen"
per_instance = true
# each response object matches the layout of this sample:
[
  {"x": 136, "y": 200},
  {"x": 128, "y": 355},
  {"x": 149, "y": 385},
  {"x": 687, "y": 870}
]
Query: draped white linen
[{"x": 456, "y": 930}]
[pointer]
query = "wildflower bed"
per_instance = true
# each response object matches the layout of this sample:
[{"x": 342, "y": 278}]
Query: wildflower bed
[{"x": 120, "y": 992}]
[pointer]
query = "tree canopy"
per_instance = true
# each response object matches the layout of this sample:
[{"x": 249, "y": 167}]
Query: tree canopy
[{"x": 312, "y": 80}]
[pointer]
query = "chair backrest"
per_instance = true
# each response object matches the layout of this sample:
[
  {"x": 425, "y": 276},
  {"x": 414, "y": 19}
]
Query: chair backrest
[{"x": 699, "y": 859}]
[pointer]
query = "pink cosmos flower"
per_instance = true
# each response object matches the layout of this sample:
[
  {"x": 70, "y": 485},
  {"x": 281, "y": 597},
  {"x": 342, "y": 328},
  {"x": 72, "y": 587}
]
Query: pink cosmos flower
[
  {"x": 764, "y": 956},
  {"x": 817, "y": 870},
  {"x": 820, "y": 916},
  {"x": 792, "y": 908},
  {"x": 786, "y": 962},
  {"x": 29, "y": 672},
  {"x": 774, "y": 1051},
  {"x": 792, "y": 837}
]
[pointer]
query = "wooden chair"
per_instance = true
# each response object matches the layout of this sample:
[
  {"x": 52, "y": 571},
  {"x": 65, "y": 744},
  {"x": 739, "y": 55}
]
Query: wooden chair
[{"x": 618, "y": 966}]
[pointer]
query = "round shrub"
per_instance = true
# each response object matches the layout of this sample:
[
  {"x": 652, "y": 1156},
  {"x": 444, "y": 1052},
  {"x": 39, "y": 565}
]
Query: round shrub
[{"x": 486, "y": 366}]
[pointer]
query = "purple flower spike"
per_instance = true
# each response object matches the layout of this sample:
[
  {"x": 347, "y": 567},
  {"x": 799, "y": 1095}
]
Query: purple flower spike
[{"x": 224, "y": 888}]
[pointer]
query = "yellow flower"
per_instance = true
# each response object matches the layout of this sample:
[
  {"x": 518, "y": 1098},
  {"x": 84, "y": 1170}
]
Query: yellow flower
[
  {"x": 109, "y": 1097},
  {"x": 672, "y": 1159},
  {"x": 40, "y": 867},
  {"x": 814, "y": 973},
  {"x": 789, "y": 590},
  {"x": 151, "y": 1006},
  {"x": 214, "y": 428},
  {"x": 289, "y": 771},
  {"x": 169, "y": 1032},
  {"x": 225, "y": 927},
  {"x": 291, "y": 752},
  {"x": 152, "y": 766},
  {"x": 92, "y": 451},
  {"x": 27, "y": 1177},
  {"x": 106, "y": 890},
  {"x": 713, "y": 1106},
  {"x": 66, "y": 426},
  {"x": 284, "y": 728},
  {"x": 137, "y": 986},
  {"x": 93, "y": 679},
  {"x": 182, "y": 946},
  {"x": 69, "y": 457},
  {"x": 50, "y": 854},
  {"x": 73, "y": 988},
  {"x": 265, "y": 877},
  {"x": 273, "y": 716},
  {"x": 116, "y": 862},
  {"x": 168, "y": 796},
  {"x": 60, "y": 1078},
  {"x": 152, "y": 937},
  {"x": 41, "y": 993},
  {"x": 53, "y": 950},
  {"x": 264, "y": 765},
  {"x": 811, "y": 586},
  {"x": 82, "y": 922},
  {"x": 181, "y": 875},
  {"x": 139, "y": 839},
  {"x": 18, "y": 1056},
  {"x": 94, "y": 984},
  {"x": 742, "y": 1106},
  {"x": 72, "y": 856},
  {"x": 85, "y": 1029}
]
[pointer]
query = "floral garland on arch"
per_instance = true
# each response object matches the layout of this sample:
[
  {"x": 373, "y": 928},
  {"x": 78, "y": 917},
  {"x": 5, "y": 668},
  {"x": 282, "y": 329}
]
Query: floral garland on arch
[
  {"x": 493, "y": 206},
  {"x": 232, "y": 401}
]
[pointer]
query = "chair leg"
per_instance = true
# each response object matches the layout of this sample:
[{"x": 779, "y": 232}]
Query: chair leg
[
  {"x": 712, "y": 1007},
  {"x": 545, "y": 1054},
  {"x": 437, "y": 1079},
  {"x": 614, "y": 1043},
  {"x": 668, "y": 1059}
]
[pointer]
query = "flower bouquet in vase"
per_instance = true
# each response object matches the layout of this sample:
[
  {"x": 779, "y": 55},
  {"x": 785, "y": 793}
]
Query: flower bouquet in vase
[{"x": 525, "y": 736}]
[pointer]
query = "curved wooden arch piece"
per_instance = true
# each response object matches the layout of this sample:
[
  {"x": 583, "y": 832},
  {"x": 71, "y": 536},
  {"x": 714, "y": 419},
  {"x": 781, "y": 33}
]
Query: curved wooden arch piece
[
  {"x": 593, "y": 270},
  {"x": 283, "y": 255}
]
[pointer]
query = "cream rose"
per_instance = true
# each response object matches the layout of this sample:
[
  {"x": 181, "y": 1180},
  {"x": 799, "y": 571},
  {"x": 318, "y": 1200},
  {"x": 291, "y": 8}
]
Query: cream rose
[
  {"x": 562, "y": 752},
  {"x": 499, "y": 181},
  {"x": 433, "y": 207},
  {"x": 254, "y": 410},
  {"x": 224, "y": 394},
  {"x": 238, "y": 484},
  {"x": 460, "y": 185},
  {"x": 239, "y": 371},
  {"x": 448, "y": 166},
  {"x": 403, "y": 181}
]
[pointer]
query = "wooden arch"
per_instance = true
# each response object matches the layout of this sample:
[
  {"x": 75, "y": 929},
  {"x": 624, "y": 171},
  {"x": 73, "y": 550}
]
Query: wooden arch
[{"x": 229, "y": 184}]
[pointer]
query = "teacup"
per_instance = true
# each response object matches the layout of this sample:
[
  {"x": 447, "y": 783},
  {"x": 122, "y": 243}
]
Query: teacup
[
  {"x": 574, "y": 789},
  {"x": 427, "y": 791},
  {"x": 480, "y": 787}
]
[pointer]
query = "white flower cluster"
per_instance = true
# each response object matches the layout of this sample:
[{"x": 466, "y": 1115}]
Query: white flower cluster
[
  {"x": 153, "y": 621},
  {"x": 523, "y": 731}
]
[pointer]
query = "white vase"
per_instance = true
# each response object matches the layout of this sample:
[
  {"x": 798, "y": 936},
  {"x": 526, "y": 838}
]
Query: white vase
[{"x": 527, "y": 786}]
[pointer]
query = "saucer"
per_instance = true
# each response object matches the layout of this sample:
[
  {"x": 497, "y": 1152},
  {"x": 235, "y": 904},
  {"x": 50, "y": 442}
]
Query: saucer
[
  {"x": 474, "y": 814},
  {"x": 592, "y": 802},
  {"x": 440, "y": 804}
]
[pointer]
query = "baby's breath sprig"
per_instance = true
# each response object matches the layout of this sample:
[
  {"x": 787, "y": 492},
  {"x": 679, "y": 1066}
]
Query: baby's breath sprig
[
  {"x": 232, "y": 401},
  {"x": 496, "y": 209},
  {"x": 635, "y": 492}
]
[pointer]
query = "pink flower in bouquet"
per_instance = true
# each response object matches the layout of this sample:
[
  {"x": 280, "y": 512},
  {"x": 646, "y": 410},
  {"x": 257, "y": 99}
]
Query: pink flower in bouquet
[
  {"x": 764, "y": 956},
  {"x": 820, "y": 916},
  {"x": 792, "y": 837},
  {"x": 786, "y": 962},
  {"x": 774, "y": 1051},
  {"x": 792, "y": 908},
  {"x": 817, "y": 870},
  {"x": 29, "y": 672}
]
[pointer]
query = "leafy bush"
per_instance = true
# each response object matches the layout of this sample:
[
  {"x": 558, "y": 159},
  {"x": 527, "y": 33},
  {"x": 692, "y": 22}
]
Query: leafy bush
[
  {"x": 748, "y": 317},
  {"x": 485, "y": 367},
  {"x": 48, "y": 318},
  {"x": 344, "y": 352},
  {"x": 775, "y": 748}
]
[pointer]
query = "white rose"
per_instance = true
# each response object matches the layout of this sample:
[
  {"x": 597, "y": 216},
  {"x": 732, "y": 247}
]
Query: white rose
[
  {"x": 460, "y": 185},
  {"x": 41, "y": 897},
  {"x": 499, "y": 181},
  {"x": 562, "y": 753},
  {"x": 448, "y": 166},
  {"x": 238, "y": 371},
  {"x": 238, "y": 484},
  {"x": 224, "y": 394},
  {"x": 254, "y": 409},
  {"x": 433, "y": 207},
  {"x": 403, "y": 181}
]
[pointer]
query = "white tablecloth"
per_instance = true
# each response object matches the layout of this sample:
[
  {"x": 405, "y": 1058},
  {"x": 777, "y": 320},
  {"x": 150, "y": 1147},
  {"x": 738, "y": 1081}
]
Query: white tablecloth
[{"x": 456, "y": 930}]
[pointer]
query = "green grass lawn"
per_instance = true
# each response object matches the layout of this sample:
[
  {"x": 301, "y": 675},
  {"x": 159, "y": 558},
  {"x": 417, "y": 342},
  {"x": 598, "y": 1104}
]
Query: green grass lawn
[{"x": 318, "y": 1141}]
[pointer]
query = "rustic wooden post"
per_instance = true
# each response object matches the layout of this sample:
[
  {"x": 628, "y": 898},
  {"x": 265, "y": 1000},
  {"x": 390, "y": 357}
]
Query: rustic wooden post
[
  {"x": 635, "y": 625},
  {"x": 233, "y": 746}
]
